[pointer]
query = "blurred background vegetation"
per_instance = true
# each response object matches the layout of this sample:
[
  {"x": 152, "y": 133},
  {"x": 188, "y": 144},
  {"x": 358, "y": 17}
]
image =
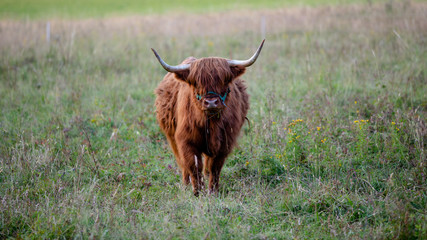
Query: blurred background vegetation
[{"x": 44, "y": 9}]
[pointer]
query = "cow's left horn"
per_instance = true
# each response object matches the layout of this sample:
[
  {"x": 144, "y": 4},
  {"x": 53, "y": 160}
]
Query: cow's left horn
[
  {"x": 170, "y": 68},
  {"x": 250, "y": 61}
]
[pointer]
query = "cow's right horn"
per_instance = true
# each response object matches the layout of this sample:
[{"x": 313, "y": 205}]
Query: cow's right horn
[
  {"x": 170, "y": 68},
  {"x": 250, "y": 61}
]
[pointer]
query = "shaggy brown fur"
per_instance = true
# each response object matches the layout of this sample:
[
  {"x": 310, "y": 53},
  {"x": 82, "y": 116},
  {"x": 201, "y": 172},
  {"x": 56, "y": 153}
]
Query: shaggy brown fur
[{"x": 191, "y": 130}]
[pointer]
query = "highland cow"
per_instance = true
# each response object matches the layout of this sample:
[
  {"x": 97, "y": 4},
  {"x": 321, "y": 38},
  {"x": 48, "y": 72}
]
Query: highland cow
[{"x": 201, "y": 106}]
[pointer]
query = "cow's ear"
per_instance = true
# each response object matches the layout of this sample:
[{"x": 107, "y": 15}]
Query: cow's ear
[
  {"x": 237, "y": 71},
  {"x": 182, "y": 75}
]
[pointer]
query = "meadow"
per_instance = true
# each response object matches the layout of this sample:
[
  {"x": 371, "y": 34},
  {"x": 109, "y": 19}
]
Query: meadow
[
  {"x": 45, "y": 9},
  {"x": 335, "y": 148}
]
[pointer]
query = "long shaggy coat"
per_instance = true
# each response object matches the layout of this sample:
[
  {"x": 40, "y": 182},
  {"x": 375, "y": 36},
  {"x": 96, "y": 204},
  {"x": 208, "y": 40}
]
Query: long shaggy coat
[{"x": 194, "y": 132}]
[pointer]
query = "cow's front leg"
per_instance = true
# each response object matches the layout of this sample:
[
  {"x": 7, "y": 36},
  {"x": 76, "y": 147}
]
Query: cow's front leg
[
  {"x": 192, "y": 167},
  {"x": 213, "y": 170},
  {"x": 196, "y": 175}
]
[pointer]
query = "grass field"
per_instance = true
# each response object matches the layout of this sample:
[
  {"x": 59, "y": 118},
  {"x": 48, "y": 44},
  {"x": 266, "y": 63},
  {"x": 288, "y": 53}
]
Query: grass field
[
  {"x": 103, "y": 8},
  {"x": 336, "y": 148}
]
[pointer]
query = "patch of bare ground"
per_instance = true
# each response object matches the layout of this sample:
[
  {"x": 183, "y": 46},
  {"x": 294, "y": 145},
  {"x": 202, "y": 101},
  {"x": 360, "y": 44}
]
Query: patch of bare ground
[{"x": 405, "y": 17}]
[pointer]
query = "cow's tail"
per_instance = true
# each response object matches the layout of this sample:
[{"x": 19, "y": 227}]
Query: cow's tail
[{"x": 249, "y": 123}]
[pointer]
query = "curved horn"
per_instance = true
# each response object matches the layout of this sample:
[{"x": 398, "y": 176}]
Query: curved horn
[
  {"x": 170, "y": 68},
  {"x": 250, "y": 61}
]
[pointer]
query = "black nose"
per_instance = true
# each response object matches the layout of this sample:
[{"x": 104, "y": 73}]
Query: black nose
[{"x": 210, "y": 102}]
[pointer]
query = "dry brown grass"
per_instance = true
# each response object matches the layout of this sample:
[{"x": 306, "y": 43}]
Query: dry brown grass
[{"x": 407, "y": 17}]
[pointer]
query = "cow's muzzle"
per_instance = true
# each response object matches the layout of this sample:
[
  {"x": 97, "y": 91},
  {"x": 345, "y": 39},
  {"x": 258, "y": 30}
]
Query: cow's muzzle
[
  {"x": 213, "y": 100},
  {"x": 211, "y": 103}
]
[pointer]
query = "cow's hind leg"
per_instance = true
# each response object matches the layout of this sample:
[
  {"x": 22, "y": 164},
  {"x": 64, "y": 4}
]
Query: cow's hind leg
[
  {"x": 181, "y": 164},
  {"x": 185, "y": 177}
]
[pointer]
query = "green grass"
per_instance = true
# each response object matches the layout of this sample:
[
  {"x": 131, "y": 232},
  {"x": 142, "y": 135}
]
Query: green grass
[
  {"x": 43, "y": 9},
  {"x": 336, "y": 148}
]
